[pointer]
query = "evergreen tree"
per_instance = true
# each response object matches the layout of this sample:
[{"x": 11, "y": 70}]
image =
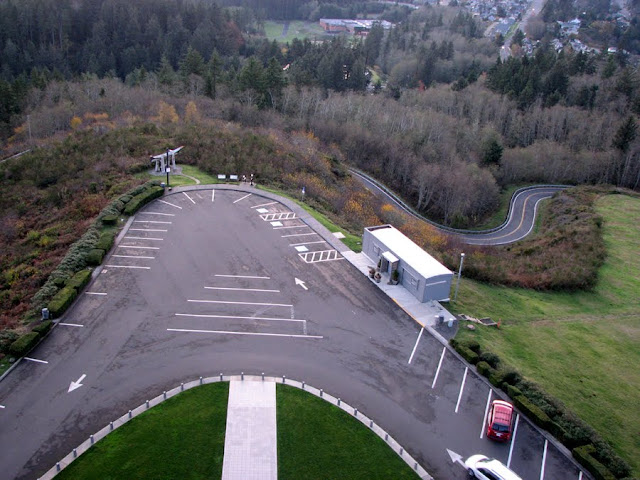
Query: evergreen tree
[
  {"x": 274, "y": 82},
  {"x": 625, "y": 135}
]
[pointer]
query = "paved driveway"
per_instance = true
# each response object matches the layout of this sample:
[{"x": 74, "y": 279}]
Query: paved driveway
[{"x": 204, "y": 282}]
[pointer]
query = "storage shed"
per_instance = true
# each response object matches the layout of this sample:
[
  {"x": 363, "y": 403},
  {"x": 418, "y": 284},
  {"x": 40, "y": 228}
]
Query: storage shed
[{"x": 421, "y": 274}]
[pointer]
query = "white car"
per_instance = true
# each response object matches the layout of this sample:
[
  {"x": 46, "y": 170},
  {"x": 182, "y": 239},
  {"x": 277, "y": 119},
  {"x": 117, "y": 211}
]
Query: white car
[{"x": 485, "y": 468}]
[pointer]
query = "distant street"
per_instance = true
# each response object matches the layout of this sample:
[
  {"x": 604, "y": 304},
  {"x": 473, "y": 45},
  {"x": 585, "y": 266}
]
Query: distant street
[{"x": 519, "y": 223}]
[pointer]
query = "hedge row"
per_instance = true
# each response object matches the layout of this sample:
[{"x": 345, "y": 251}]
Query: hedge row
[
  {"x": 106, "y": 239},
  {"x": 61, "y": 301},
  {"x": 584, "y": 456},
  {"x": 79, "y": 280},
  {"x": 545, "y": 411},
  {"x": 26, "y": 342},
  {"x": 142, "y": 199},
  {"x": 86, "y": 252}
]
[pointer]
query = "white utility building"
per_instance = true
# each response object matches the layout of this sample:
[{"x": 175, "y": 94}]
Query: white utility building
[{"x": 421, "y": 274}]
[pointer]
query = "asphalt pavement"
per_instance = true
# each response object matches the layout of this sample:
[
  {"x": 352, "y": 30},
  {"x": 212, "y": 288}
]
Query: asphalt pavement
[{"x": 236, "y": 280}]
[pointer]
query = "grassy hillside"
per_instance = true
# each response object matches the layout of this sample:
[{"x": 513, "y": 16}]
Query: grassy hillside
[{"x": 582, "y": 347}]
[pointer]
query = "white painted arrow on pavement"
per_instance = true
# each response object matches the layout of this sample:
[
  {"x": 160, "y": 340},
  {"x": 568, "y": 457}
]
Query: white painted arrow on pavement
[
  {"x": 455, "y": 457},
  {"x": 301, "y": 283},
  {"x": 76, "y": 384}
]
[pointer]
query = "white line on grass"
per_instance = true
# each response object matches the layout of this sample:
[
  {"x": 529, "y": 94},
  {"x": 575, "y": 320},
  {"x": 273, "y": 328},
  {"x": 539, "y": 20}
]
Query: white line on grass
[
  {"x": 513, "y": 439},
  {"x": 244, "y": 333},
  {"x": 416, "y": 345},
  {"x": 242, "y": 289},
  {"x": 439, "y": 365},
  {"x": 464, "y": 379},
  {"x": 486, "y": 412},
  {"x": 248, "y": 195},
  {"x": 176, "y": 206},
  {"x": 192, "y": 201}
]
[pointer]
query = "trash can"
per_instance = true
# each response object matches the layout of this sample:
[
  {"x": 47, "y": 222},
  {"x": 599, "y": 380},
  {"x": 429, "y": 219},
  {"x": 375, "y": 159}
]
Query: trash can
[{"x": 45, "y": 314}]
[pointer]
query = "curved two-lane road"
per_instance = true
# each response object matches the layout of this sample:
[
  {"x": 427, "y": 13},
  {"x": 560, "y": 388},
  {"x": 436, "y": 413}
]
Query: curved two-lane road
[{"x": 520, "y": 218}]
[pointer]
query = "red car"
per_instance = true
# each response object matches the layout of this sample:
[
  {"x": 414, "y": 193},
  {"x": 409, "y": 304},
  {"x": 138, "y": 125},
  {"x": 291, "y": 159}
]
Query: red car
[{"x": 500, "y": 421}]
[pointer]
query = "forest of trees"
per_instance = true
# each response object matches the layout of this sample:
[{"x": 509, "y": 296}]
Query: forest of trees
[{"x": 450, "y": 129}]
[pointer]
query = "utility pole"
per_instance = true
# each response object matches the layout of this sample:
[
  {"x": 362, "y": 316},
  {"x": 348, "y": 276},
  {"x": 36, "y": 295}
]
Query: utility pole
[{"x": 455, "y": 296}]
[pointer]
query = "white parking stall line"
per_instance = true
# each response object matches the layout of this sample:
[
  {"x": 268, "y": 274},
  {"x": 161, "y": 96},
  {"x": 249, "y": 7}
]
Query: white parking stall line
[
  {"x": 95, "y": 293},
  {"x": 240, "y": 317},
  {"x": 544, "y": 459},
  {"x": 147, "y": 230},
  {"x": 580, "y": 475},
  {"x": 513, "y": 439},
  {"x": 306, "y": 243},
  {"x": 152, "y": 221},
  {"x": 416, "y": 345},
  {"x": 243, "y": 289},
  {"x": 145, "y": 238},
  {"x": 128, "y": 266},
  {"x": 246, "y": 196},
  {"x": 132, "y": 256},
  {"x": 298, "y": 235},
  {"x": 157, "y": 213},
  {"x": 464, "y": 379},
  {"x": 213, "y": 194},
  {"x": 71, "y": 324},
  {"x": 173, "y": 205},
  {"x": 241, "y": 276},
  {"x": 290, "y": 226},
  {"x": 2, "y": 406},
  {"x": 438, "y": 369},
  {"x": 138, "y": 246},
  {"x": 244, "y": 333},
  {"x": 225, "y": 302},
  {"x": 192, "y": 200},
  {"x": 486, "y": 412},
  {"x": 264, "y": 205},
  {"x": 35, "y": 360}
]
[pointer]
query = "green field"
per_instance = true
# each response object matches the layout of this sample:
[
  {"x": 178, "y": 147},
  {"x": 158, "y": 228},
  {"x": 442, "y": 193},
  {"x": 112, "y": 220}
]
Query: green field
[
  {"x": 183, "y": 438},
  {"x": 584, "y": 347},
  {"x": 164, "y": 441},
  {"x": 318, "y": 440},
  {"x": 297, "y": 29}
]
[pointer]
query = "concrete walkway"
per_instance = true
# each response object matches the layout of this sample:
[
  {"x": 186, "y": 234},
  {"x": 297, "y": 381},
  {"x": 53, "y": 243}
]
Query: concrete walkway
[
  {"x": 426, "y": 314},
  {"x": 251, "y": 443}
]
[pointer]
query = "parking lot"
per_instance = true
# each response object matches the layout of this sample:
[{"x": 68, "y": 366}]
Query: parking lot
[{"x": 210, "y": 281}]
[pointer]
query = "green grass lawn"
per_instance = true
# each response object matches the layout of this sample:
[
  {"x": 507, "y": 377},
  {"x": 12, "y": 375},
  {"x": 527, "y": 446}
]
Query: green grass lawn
[
  {"x": 182, "y": 438},
  {"x": 297, "y": 29},
  {"x": 318, "y": 440},
  {"x": 583, "y": 347}
]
